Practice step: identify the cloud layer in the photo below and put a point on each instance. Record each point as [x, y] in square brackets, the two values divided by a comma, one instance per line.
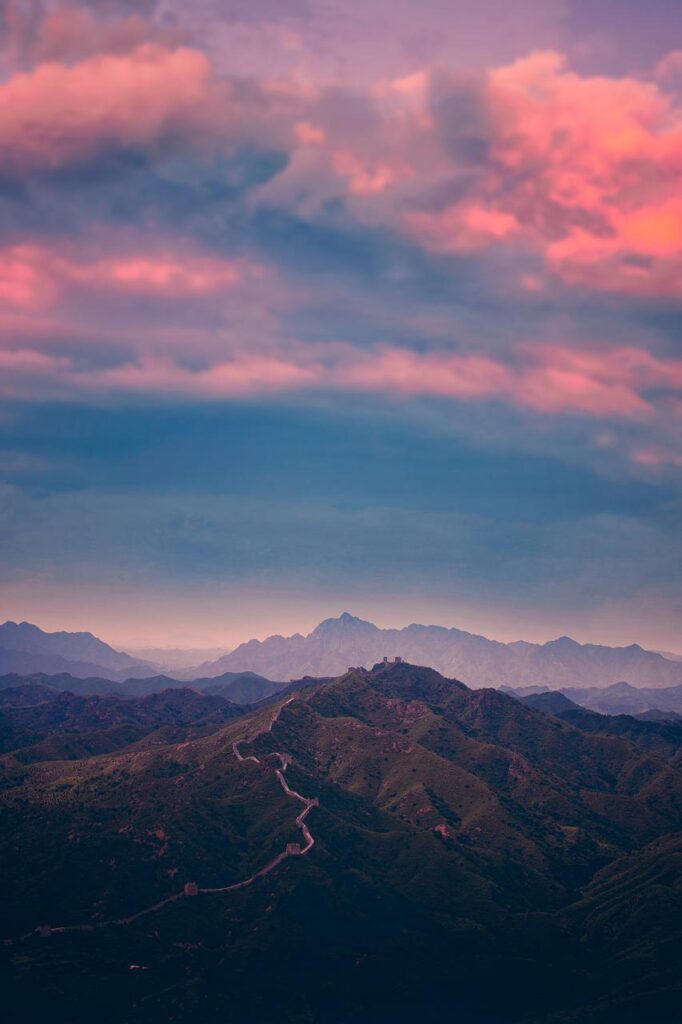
[468, 224]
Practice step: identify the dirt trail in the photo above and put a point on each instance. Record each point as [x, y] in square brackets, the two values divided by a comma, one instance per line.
[191, 890]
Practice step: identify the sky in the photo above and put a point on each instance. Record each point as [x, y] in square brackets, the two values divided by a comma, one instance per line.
[310, 306]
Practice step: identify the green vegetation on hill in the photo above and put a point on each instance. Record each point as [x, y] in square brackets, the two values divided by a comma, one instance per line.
[474, 859]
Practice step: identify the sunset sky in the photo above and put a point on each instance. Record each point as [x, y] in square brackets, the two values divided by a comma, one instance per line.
[309, 305]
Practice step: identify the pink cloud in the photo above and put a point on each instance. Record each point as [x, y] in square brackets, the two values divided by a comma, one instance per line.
[24, 373]
[403, 372]
[162, 273]
[69, 32]
[33, 274]
[604, 383]
[58, 115]
[28, 361]
[656, 457]
[462, 228]
[597, 382]
[641, 253]
[242, 376]
[367, 177]
[22, 278]
[309, 134]
[582, 170]
[590, 167]
[670, 67]
[564, 379]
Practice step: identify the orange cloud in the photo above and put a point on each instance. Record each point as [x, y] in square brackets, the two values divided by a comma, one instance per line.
[640, 253]
[583, 170]
[590, 166]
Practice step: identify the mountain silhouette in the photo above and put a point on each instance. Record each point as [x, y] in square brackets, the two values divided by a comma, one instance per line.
[347, 640]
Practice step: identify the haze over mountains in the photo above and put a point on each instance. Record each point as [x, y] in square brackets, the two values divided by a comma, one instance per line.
[24, 648]
[177, 658]
[337, 643]
[347, 640]
[619, 699]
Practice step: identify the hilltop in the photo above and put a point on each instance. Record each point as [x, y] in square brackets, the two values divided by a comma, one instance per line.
[459, 836]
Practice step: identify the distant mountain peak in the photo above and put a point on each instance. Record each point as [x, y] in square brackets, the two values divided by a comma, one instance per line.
[27, 648]
[343, 624]
[347, 640]
[563, 643]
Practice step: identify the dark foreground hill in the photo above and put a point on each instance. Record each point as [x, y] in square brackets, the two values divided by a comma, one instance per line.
[63, 726]
[664, 736]
[471, 859]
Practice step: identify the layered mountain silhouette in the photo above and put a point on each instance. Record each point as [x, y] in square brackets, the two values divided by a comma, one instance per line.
[347, 640]
[238, 687]
[337, 643]
[26, 649]
[661, 732]
[619, 699]
[473, 859]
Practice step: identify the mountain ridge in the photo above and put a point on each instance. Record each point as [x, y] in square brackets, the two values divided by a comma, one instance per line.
[459, 836]
[26, 648]
[348, 640]
[239, 687]
[335, 643]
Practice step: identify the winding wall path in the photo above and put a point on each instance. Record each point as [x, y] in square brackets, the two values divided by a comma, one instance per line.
[191, 890]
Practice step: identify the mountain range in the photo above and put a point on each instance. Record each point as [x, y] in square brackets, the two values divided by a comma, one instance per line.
[468, 858]
[347, 640]
[618, 699]
[238, 687]
[25, 649]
